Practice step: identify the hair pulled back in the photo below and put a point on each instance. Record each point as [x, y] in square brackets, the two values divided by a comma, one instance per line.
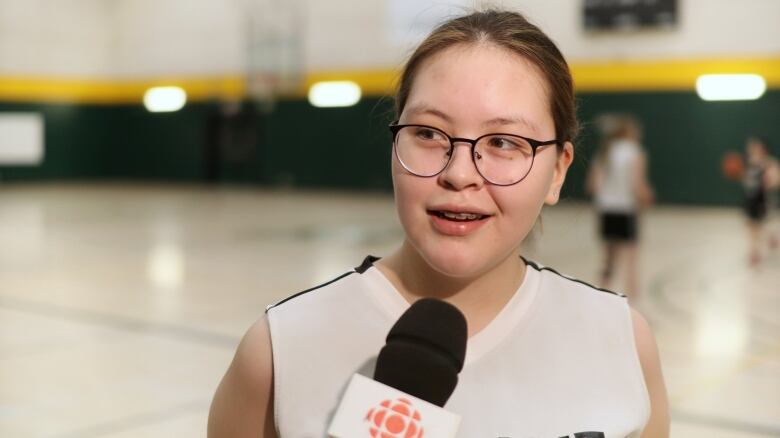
[511, 31]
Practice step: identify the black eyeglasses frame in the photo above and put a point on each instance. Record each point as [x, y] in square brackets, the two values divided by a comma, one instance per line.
[395, 127]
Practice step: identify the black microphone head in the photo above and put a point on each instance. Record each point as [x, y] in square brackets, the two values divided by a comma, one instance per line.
[425, 351]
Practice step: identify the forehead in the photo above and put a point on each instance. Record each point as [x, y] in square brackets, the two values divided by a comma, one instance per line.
[480, 84]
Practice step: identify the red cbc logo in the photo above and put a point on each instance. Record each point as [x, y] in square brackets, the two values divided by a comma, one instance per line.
[395, 419]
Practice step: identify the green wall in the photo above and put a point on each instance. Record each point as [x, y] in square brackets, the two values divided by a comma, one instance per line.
[115, 142]
[685, 138]
[298, 145]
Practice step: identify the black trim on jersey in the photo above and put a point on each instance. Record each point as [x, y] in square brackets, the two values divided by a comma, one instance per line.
[308, 290]
[367, 263]
[545, 268]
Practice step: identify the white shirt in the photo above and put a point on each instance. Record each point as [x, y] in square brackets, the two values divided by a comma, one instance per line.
[558, 359]
[617, 192]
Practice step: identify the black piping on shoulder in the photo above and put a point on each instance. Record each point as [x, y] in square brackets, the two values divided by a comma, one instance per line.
[307, 290]
[367, 263]
[545, 268]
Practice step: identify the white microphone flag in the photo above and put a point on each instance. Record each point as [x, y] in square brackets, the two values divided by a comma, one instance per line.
[370, 409]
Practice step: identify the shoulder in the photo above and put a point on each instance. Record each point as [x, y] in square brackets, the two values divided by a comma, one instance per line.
[645, 341]
[569, 304]
[246, 389]
[339, 285]
[647, 350]
[248, 385]
[310, 320]
[253, 357]
[563, 283]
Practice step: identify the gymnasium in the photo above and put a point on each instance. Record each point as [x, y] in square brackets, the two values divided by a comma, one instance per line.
[170, 168]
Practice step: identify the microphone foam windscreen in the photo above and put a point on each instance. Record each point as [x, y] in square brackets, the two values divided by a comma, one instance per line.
[425, 351]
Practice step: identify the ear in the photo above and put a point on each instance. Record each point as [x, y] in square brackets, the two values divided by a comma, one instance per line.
[565, 157]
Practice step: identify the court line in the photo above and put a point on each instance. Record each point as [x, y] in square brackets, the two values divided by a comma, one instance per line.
[120, 322]
[707, 383]
[659, 291]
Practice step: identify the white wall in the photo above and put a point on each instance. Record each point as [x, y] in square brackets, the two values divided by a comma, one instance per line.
[120, 38]
[54, 37]
[358, 37]
[707, 28]
[175, 37]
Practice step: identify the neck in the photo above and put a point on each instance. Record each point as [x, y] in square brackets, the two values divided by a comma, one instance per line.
[480, 297]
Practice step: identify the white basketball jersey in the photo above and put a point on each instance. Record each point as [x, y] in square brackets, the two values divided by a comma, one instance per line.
[559, 360]
[617, 189]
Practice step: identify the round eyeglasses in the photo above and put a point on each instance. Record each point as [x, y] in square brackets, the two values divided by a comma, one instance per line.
[501, 159]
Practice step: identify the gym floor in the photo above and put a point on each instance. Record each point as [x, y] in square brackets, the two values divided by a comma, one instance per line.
[121, 306]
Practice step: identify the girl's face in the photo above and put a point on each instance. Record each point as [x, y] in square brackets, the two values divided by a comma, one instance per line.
[468, 91]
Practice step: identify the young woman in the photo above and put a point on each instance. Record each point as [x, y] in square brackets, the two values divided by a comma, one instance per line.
[483, 140]
[620, 188]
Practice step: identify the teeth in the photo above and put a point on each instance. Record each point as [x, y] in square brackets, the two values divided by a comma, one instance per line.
[460, 216]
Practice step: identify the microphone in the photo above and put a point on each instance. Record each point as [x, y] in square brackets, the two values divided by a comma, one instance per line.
[416, 373]
[425, 351]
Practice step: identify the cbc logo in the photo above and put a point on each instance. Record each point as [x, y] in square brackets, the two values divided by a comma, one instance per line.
[395, 419]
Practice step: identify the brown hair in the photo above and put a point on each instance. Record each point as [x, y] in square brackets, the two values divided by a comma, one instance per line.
[509, 30]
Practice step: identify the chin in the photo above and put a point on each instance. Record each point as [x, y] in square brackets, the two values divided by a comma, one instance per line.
[456, 264]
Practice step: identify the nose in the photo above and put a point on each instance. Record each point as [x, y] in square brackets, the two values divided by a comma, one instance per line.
[461, 172]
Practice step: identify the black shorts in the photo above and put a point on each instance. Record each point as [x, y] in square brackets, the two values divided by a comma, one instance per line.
[618, 227]
[756, 207]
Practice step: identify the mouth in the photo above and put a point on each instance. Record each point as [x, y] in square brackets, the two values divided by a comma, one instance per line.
[458, 216]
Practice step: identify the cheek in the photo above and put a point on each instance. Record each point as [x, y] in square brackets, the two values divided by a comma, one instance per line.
[408, 193]
[541, 176]
[521, 206]
[523, 202]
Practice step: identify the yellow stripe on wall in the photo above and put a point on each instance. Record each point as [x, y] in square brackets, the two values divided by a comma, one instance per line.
[603, 76]
[102, 91]
[372, 82]
[668, 75]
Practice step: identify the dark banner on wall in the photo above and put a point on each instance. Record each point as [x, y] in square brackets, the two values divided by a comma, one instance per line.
[606, 15]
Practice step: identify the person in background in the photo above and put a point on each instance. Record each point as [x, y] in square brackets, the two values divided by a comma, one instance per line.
[619, 185]
[760, 181]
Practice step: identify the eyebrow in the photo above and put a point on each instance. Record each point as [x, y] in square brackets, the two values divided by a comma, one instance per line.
[421, 109]
[503, 121]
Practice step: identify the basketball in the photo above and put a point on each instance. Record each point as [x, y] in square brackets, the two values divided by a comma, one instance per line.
[732, 165]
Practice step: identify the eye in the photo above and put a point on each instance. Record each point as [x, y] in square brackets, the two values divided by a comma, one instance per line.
[506, 146]
[504, 143]
[428, 134]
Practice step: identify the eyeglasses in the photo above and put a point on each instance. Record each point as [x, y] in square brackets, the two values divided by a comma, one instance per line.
[501, 159]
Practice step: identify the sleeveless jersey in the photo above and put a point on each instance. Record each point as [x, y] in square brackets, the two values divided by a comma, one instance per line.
[616, 194]
[558, 360]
